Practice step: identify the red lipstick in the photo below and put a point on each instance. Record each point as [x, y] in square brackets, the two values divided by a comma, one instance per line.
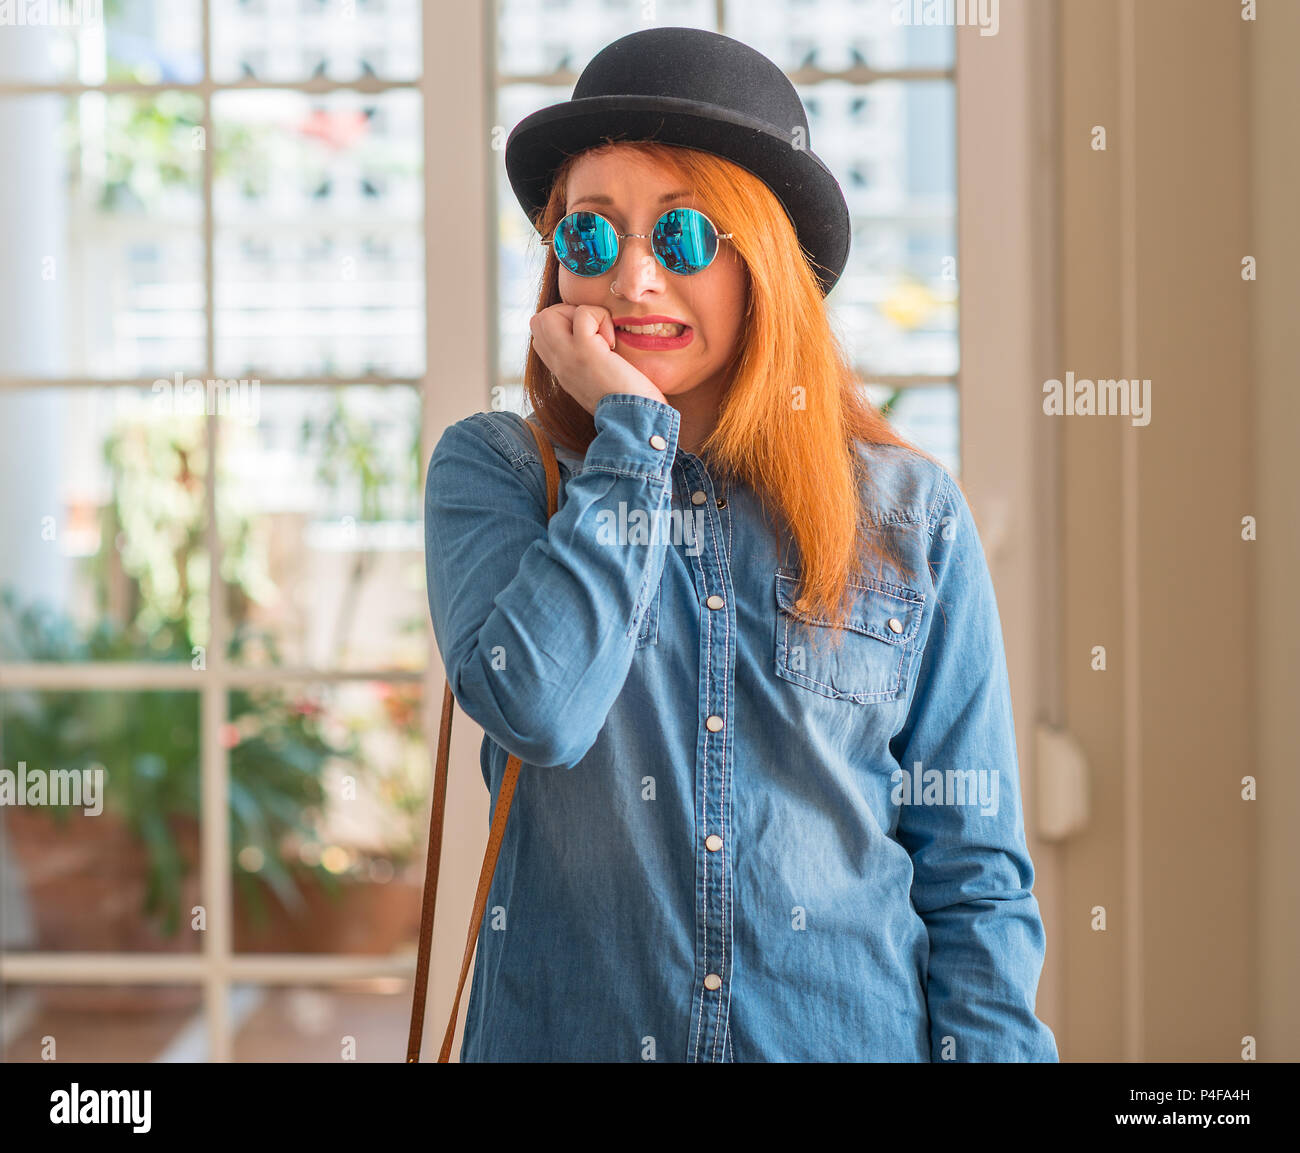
[648, 342]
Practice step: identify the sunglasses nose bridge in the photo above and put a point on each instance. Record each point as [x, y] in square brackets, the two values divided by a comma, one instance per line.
[641, 258]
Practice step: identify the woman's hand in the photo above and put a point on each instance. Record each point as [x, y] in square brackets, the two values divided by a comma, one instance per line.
[576, 342]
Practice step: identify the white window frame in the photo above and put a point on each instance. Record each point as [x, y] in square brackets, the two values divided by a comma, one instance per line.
[216, 967]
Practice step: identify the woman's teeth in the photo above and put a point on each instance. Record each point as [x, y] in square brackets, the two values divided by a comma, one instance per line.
[654, 329]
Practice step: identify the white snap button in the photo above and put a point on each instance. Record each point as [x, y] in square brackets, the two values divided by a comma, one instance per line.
[658, 441]
[713, 724]
[712, 981]
[713, 842]
[699, 497]
[715, 601]
[895, 625]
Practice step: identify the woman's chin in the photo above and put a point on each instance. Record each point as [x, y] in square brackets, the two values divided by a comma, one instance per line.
[670, 384]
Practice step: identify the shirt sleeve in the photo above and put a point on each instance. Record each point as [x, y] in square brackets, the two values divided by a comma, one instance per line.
[972, 876]
[536, 622]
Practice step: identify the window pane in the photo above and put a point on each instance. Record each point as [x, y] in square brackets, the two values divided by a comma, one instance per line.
[314, 1023]
[104, 1022]
[116, 869]
[840, 34]
[928, 417]
[320, 506]
[91, 41]
[290, 40]
[329, 789]
[102, 553]
[104, 277]
[521, 258]
[892, 146]
[540, 36]
[319, 234]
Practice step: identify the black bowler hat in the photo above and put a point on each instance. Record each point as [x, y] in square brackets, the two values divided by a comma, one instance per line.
[699, 89]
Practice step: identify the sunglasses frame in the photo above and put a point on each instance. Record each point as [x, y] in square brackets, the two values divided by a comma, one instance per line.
[621, 236]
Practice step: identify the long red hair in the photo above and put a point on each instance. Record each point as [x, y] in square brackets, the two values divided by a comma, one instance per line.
[793, 412]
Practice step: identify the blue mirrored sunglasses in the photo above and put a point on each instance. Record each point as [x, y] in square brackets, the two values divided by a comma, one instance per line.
[683, 241]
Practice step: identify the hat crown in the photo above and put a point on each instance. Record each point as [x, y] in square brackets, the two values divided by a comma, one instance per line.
[691, 88]
[699, 65]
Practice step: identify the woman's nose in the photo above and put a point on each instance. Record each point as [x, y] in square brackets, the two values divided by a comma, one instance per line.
[636, 268]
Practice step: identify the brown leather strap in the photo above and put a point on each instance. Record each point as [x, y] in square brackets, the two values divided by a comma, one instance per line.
[500, 814]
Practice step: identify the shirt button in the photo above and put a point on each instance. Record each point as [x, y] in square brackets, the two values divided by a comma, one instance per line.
[658, 441]
[698, 497]
[713, 842]
[715, 601]
[712, 981]
[713, 724]
[895, 625]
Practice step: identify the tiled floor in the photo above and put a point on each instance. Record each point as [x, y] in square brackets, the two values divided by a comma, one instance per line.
[271, 1023]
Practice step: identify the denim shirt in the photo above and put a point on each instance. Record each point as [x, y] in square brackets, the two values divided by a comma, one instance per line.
[727, 843]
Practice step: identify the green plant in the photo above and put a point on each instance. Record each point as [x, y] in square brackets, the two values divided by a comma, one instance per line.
[349, 453]
[147, 742]
[152, 587]
[148, 146]
[887, 405]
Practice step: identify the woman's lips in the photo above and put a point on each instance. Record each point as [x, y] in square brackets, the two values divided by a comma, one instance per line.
[649, 343]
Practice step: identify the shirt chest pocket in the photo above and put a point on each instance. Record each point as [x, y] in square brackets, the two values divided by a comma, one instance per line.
[869, 662]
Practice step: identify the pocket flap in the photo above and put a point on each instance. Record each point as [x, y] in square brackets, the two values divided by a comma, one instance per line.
[888, 612]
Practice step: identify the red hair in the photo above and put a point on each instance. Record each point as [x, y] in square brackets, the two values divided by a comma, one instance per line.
[790, 418]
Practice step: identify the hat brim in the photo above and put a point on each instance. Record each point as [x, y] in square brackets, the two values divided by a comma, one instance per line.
[806, 188]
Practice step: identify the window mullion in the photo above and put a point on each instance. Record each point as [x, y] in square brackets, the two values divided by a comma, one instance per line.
[214, 762]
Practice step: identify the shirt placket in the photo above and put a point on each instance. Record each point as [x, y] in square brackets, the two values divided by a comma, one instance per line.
[711, 996]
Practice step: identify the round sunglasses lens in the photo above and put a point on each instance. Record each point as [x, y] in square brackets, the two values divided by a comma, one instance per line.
[585, 244]
[685, 241]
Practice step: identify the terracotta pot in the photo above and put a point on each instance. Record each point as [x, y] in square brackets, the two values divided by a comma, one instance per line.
[362, 917]
[86, 882]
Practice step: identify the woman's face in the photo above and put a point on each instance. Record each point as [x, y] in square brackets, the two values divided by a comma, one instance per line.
[632, 192]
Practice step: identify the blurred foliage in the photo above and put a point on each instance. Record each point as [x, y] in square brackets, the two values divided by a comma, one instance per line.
[155, 578]
[151, 145]
[347, 449]
[156, 522]
[147, 743]
[349, 454]
[887, 405]
[153, 573]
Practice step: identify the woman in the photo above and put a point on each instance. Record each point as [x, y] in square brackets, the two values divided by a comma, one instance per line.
[753, 665]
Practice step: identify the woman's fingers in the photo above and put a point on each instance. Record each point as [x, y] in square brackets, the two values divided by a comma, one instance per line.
[577, 343]
[579, 321]
[607, 328]
[591, 320]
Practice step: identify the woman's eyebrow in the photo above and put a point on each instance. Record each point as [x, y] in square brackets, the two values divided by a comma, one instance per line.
[609, 200]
